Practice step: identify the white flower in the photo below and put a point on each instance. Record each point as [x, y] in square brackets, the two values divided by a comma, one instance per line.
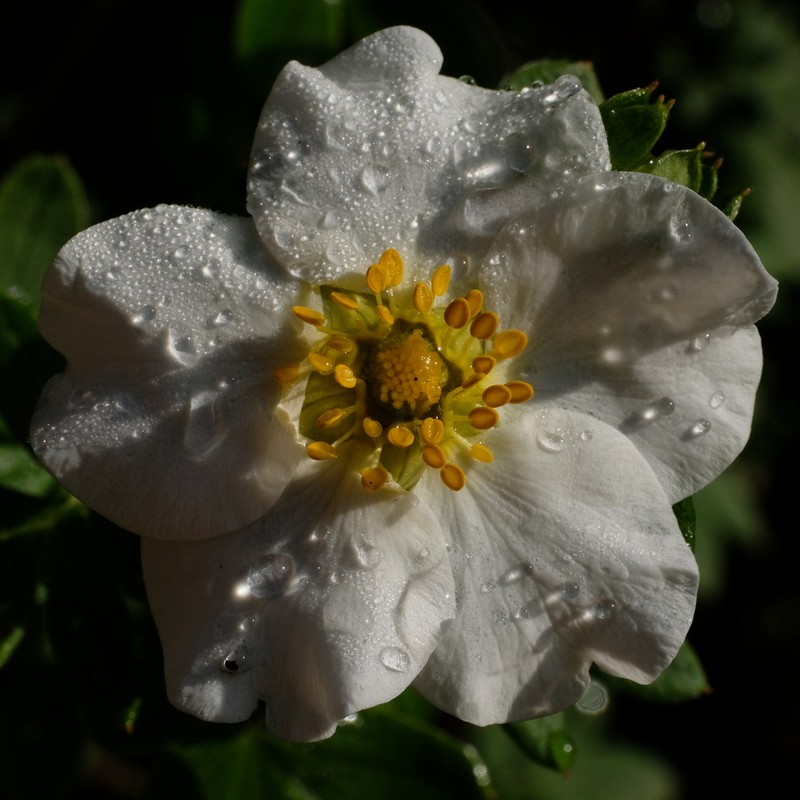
[325, 585]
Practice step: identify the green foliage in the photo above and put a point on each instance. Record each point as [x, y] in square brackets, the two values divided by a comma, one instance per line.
[687, 520]
[544, 740]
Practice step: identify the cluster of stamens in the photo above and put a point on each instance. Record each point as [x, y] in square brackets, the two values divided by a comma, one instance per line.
[409, 379]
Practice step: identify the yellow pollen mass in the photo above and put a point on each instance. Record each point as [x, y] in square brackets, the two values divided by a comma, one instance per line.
[403, 376]
[410, 374]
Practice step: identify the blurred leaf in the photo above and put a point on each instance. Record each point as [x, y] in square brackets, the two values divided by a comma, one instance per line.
[634, 123]
[20, 472]
[10, 643]
[378, 755]
[684, 679]
[545, 740]
[264, 25]
[547, 70]
[42, 205]
[687, 520]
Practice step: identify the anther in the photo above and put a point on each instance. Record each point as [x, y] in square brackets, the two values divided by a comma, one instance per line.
[520, 391]
[433, 456]
[344, 300]
[510, 343]
[474, 298]
[453, 477]
[471, 380]
[345, 376]
[481, 453]
[341, 343]
[372, 478]
[391, 263]
[376, 279]
[400, 436]
[457, 314]
[483, 418]
[432, 430]
[320, 451]
[372, 427]
[385, 315]
[308, 315]
[441, 280]
[321, 363]
[484, 325]
[484, 364]
[423, 297]
[287, 374]
[496, 395]
[330, 418]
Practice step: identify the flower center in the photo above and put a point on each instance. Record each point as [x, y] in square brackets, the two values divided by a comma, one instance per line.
[407, 380]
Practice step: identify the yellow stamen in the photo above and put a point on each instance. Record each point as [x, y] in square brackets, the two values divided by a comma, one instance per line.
[330, 418]
[433, 456]
[453, 477]
[385, 315]
[432, 430]
[392, 265]
[481, 453]
[341, 343]
[321, 451]
[287, 374]
[345, 376]
[496, 395]
[372, 427]
[484, 325]
[400, 436]
[484, 364]
[471, 380]
[474, 298]
[423, 297]
[510, 343]
[372, 478]
[321, 363]
[376, 279]
[457, 314]
[344, 300]
[520, 391]
[441, 280]
[483, 418]
[308, 315]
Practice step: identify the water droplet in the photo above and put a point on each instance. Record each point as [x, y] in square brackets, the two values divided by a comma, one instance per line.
[330, 220]
[604, 609]
[367, 555]
[205, 426]
[702, 426]
[223, 318]
[551, 441]
[700, 342]
[374, 179]
[562, 89]
[468, 79]
[395, 659]
[146, 313]
[210, 270]
[521, 613]
[612, 355]
[433, 145]
[237, 661]
[569, 591]
[515, 574]
[519, 152]
[595, 701]
[487, 587]
[181, 346]
[662, 407]
[181, 252]
[424, 554]
[716, 399]
[270, 575]
[586, 436]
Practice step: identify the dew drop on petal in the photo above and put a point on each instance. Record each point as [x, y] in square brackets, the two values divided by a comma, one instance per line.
[604, 609]
[569, 591]
[367, 555]
[700, 342]
[515, 574]
[181, 346]
[81, 398]
[205, 426]
[701, 427]
[551, 441]
[374, 179]
[716, 399]
[395, 659]
[145, 314]
[181, 253]
[653, 411]
[224, 317]
[595, 701]
[270, 575]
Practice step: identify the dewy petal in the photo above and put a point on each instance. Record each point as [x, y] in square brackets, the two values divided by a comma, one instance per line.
[329, 604]
[620, 284]
[171, 321]
[565, 552]
[376, 149]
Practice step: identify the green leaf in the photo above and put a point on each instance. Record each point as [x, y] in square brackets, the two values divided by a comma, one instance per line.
[687, 520]
[634, 123]
[684, 679]
[378, 755]
[688, 168]
[544, 740]
[263, 25]
[547, 70]
[20, 472]
[42, 205]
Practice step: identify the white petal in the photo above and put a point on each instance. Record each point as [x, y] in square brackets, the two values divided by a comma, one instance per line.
[619, 284]
[565, 552]
[172, 322]
[376, 150]
[330, 604]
